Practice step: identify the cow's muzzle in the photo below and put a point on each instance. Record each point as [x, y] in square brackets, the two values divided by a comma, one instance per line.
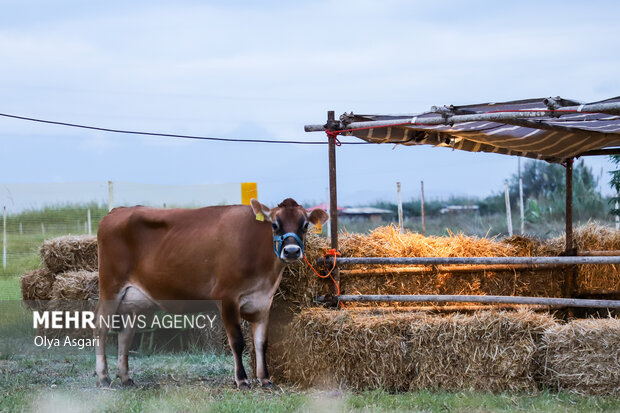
[291, 252]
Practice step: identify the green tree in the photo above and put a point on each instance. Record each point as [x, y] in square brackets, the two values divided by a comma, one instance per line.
[615, 184]
[544, 191]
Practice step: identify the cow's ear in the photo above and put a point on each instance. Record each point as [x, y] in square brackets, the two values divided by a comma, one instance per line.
[262, 212]
[318, 217]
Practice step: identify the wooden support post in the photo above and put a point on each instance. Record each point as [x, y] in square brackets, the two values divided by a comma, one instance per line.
[333, 193]
[569, 206]
[423, 216]
[521, 200]
[570, 278]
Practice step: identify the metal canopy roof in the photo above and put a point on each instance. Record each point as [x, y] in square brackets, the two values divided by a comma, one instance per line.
[553, 129]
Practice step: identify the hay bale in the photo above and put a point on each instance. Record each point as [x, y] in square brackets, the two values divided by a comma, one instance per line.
[583, 356]
[36, 287]
[361, 349]
[70, 253]
[76, 286]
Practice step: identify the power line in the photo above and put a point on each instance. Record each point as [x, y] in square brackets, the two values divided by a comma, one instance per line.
[172, 135]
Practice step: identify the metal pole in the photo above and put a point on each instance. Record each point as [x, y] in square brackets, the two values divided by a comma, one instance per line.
[611, 108]
[423, 216]
[521, 199]
[4, 237]
[489, 299]
[333, 193]
[401, 225]
[508, 212]
[566, 260]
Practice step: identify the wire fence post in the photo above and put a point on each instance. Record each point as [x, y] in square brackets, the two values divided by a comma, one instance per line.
[110, 195]
[90, 231]
[4, 237]
[508, 212]
[401, 224]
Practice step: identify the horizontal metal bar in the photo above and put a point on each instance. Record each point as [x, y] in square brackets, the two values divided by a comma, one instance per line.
[470, 260]
[487, 299]
[314, 128]
[425, 269]
[609, 108]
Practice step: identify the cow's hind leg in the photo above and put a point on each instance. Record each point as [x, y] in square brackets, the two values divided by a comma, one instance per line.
[125, 337]
[104, 312]
[133, 302]
[232, 323]
[259, 332]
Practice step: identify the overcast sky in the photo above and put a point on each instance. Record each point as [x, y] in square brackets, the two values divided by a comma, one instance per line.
[264, 69]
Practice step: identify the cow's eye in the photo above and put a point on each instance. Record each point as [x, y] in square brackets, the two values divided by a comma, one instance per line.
[306, 226]
[274, 225]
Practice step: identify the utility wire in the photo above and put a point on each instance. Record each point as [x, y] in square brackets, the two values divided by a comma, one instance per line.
[171, 135]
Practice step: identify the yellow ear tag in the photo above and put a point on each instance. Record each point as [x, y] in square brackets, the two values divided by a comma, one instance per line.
[318, 228]
[260, 217]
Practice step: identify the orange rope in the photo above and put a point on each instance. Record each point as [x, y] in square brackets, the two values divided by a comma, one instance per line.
[329, 274]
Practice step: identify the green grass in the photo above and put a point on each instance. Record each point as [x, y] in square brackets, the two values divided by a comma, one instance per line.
[199, 382]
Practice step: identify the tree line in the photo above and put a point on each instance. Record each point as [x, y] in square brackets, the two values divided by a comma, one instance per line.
[544, 194]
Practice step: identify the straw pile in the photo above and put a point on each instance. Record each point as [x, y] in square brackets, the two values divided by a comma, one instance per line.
[70, 253]
[583, 356]
[489, 351]
[76, 285]
[36, 287]
[596, 237]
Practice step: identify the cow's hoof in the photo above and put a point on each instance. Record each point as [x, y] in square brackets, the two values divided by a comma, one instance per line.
[267, 384]
[128, 383]
[244, 385]
[104, 382]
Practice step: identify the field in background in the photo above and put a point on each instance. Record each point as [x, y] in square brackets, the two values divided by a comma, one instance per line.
[199, 382]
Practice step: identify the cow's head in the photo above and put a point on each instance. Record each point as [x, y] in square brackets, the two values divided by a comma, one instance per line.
[290, 223]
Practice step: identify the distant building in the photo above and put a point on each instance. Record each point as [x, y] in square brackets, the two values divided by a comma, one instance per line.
[358, 213]
[454, 209]
[365, 214]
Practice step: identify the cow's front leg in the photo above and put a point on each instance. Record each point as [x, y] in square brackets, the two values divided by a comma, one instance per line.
[232, 323]
[259, 332]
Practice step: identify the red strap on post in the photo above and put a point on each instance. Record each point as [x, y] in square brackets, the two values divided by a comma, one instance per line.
[333, 253]
[334, 134]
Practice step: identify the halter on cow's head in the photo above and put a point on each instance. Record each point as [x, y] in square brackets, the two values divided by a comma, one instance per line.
[290, 223]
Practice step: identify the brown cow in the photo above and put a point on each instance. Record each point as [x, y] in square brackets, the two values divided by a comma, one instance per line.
[234, 254]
